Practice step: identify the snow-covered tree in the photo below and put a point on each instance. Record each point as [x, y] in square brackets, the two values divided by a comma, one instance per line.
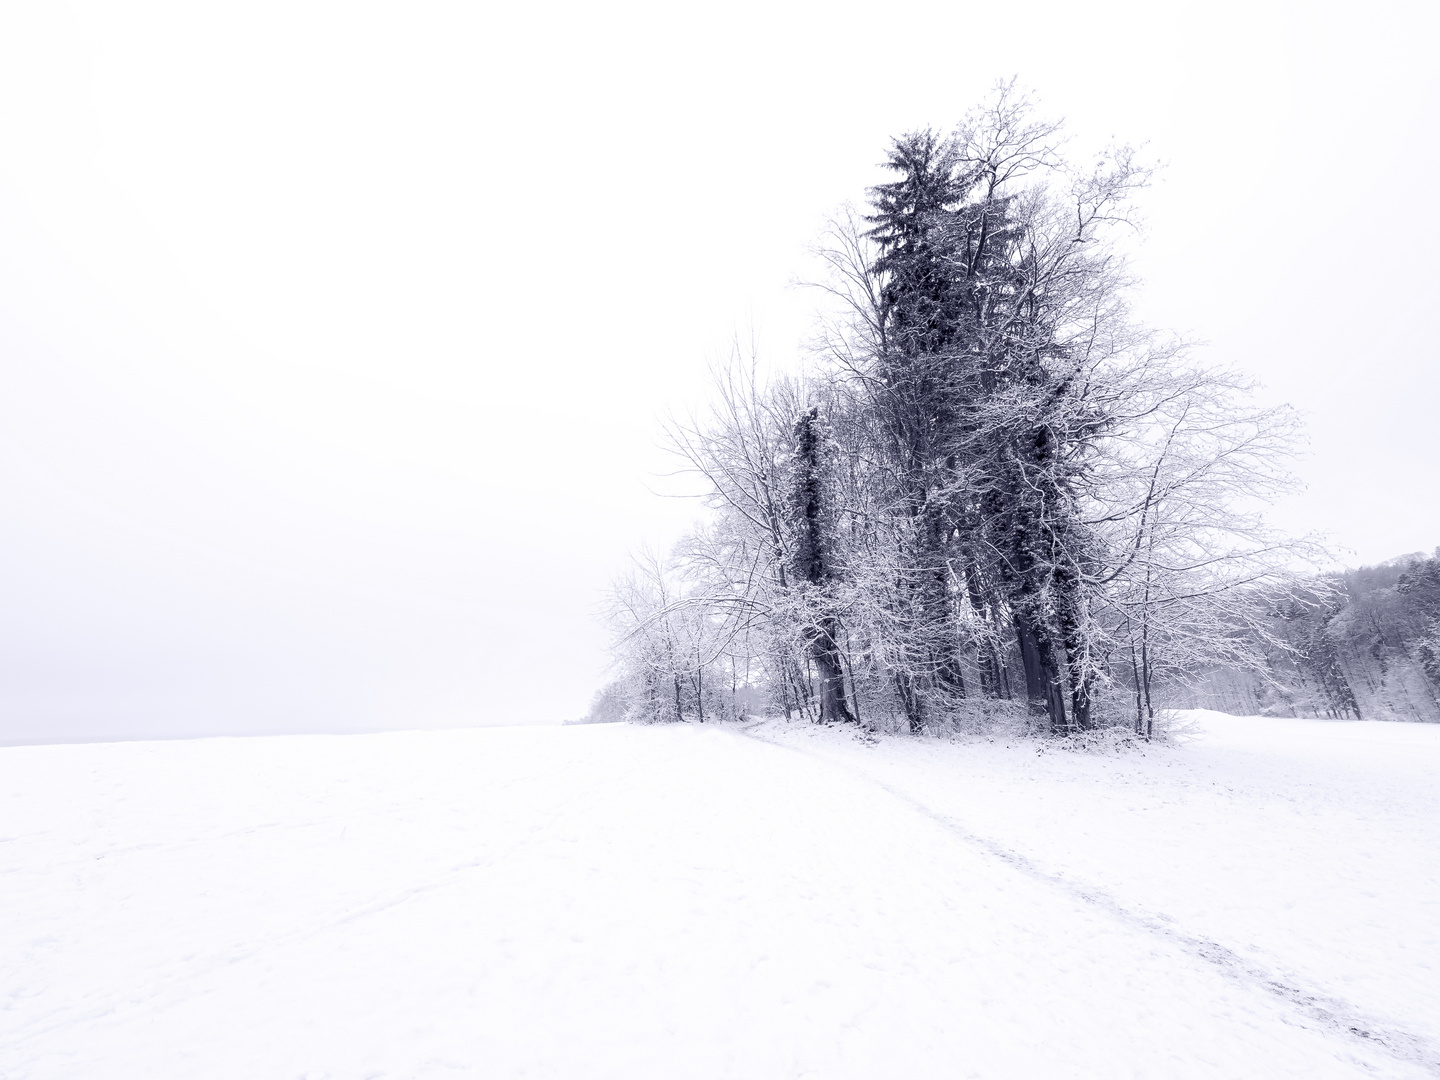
[992, 482]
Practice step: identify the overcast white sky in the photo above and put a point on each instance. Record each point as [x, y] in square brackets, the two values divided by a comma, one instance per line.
[333, 336]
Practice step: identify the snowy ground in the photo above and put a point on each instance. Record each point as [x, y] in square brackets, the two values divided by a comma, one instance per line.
[613, 901]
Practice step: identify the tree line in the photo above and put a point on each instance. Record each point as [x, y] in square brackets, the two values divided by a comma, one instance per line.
[1363, 645]
[993, 489]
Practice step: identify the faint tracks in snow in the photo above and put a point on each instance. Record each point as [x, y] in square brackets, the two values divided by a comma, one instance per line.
[1330, 1013]
[175, 981]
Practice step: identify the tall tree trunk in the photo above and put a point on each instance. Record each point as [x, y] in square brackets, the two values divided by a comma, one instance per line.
[1135, 669]
[1145, 675]
[986, 656]
[938, 624]
[1072, 637]
[811, 520]
[854, 687]
[910, 703]
[1021, 575]
[826, 655]
[1043, 689]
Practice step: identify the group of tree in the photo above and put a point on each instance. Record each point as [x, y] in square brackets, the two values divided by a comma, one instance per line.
[993, 485]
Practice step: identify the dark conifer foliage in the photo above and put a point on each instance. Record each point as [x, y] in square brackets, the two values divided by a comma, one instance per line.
[912, 223]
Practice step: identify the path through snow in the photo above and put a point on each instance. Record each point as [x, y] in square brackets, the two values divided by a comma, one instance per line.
[684, 901]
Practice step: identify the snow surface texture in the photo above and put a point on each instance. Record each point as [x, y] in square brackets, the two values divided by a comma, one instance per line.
[773, 901]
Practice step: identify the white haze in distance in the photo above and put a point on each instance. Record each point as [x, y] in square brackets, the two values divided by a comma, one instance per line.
[333, 337]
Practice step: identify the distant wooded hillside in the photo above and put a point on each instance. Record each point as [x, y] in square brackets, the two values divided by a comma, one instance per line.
[1364, 644]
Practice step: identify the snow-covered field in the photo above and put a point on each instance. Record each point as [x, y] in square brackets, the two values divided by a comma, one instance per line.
[776, 901]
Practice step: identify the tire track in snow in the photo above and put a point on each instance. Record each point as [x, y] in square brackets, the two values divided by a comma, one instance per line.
[1331, 1013]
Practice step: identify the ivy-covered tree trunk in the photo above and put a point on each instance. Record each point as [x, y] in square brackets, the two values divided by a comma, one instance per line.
[830, 671]
[1072, 635]
[812, 563]
[1044, 688]
[987, 655]
[1020, 535]
[938, 608]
